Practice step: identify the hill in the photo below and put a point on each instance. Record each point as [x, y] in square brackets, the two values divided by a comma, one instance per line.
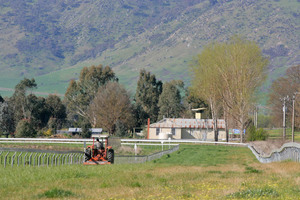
[52, 40]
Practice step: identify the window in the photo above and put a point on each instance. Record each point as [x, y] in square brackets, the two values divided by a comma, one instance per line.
[157, 131]
[173, 131]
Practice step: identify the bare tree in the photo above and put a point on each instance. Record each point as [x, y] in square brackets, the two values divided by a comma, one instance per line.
[282, 87]
[111, 105]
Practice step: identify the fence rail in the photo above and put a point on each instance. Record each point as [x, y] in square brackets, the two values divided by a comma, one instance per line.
[288, 151]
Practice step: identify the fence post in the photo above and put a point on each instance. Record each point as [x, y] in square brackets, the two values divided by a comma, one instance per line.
[39, 159]
[30, 159]
[12, 160]
[52, 159]
[34, 159]
[19, 157]
[59, 159]
[5, 159]
[25, 158]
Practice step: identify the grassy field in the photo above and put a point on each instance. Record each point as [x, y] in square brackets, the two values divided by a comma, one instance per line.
[277, 134]
[193, 172]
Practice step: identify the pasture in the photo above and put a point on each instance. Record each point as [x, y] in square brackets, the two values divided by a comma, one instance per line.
[193, 172]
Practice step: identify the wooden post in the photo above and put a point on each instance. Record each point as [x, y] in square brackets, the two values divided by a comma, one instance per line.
[148, 128]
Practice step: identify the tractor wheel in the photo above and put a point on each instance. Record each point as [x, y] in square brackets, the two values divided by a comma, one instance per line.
[87, 154]
[110, 156]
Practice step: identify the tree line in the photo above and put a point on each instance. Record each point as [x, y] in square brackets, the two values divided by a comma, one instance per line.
[96, 99]
[225, 78]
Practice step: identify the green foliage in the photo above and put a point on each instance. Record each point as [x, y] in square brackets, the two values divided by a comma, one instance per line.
[81, 93]
[121, 129]
[254, 134]
[264, 121]
[252, 170]
[56, 193]
[170, 100]
[85, 129]
[6, 118]
[25, 129]
[227, 74]
[147, 97]
[19, 99]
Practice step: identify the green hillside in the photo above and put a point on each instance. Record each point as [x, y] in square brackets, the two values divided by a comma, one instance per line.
[52, 40]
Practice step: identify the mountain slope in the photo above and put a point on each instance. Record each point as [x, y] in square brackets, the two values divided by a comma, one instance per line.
[53, 40]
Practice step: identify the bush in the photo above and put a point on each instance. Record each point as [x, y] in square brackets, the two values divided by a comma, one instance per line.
[85, 129]
[25, 129]
[254, 134]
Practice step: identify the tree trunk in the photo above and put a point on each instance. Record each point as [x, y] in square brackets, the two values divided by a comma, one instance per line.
[226, 125]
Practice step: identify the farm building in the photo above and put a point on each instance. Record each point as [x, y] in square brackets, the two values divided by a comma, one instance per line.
[178, 128]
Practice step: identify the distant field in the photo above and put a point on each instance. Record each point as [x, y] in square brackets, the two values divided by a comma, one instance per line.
[278, 133]
[193, 172]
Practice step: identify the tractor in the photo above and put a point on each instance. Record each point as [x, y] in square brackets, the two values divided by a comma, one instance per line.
[97, 154]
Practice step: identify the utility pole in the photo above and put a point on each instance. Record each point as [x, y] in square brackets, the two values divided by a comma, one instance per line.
[284, 120]
[293, 117]
[255, 116]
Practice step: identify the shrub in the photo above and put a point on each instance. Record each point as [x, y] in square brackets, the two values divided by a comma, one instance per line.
[25, 129]
[56, 193]
[254, 134]
[85, 129]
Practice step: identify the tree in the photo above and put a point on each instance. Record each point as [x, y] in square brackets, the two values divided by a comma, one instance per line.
[25, 129]
[110, 105]
[205, 84]
[147, 96]
[19, 98]
[86, 129]
[37, 111]
[57, 110]
[170, 100]
[230, 73]
[191, 101]
[6, 118]
[82, 92]
[282, 87]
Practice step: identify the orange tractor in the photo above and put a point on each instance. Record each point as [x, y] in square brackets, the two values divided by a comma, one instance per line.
[97, 154]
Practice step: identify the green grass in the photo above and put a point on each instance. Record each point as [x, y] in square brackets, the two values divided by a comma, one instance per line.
[277, 134]
[219, 173]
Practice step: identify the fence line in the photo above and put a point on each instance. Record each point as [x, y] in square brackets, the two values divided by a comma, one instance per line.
[34, 157]
[39, 158]
[194, 141]
[288, 151]
[142, 159]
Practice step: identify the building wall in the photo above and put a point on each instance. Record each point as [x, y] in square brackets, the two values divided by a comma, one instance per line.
[202, 134]
[187, 133]
[163, 132]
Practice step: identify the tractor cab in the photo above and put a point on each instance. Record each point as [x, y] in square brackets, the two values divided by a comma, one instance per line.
[99, 153]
